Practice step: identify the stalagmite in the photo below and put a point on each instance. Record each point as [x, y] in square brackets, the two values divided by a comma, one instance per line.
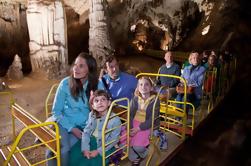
[15, 70]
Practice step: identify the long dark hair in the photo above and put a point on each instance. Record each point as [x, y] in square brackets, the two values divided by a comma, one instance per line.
[76, 86]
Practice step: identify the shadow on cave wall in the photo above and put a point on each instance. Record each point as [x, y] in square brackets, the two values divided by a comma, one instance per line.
[78, 35]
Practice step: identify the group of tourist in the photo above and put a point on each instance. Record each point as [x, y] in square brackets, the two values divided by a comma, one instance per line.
[193, 71]
[83, 99]
[81, 104]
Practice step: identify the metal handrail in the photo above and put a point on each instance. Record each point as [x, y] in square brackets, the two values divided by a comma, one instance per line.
[105, 131]
[29, 128]
[47, 100]
[171, 76]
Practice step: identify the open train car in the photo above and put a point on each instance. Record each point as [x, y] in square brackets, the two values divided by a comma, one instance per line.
[176, 123]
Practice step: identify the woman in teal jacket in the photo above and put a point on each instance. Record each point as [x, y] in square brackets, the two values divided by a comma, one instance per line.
[71, 103]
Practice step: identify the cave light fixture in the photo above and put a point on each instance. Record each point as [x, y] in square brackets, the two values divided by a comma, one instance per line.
[165, 48]
[133, 28]
[205, 30]
[140, 47]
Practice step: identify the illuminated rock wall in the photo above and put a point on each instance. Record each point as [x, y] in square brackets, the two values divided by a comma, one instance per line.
[47, 32]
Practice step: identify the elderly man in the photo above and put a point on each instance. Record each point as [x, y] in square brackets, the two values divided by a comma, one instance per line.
[169, 68]
[118, 84]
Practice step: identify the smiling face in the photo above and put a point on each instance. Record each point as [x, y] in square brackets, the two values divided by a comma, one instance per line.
[101, 104]
[80, 69]
[113, 69]
[195, 59]
[144, 86]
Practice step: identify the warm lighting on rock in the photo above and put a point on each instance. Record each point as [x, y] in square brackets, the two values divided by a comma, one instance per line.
[133, 28]
[165, 48]
[205, 30]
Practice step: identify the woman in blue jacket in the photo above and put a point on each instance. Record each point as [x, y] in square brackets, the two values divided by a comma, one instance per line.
[194, 76]
[71, 103]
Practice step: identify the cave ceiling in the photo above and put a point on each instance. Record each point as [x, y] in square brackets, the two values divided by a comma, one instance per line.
[155, 24]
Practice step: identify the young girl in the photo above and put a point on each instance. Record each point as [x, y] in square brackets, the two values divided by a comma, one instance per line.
[141, 119]
[89, 152]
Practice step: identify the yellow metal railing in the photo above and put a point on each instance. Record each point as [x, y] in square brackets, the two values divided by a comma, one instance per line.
[178, 112]
[49, 100]
[209, 88]
[51, 139]
[154, 141]
[14, 148]
[105, 131]
[10, 98]
[183, 102]
[169, 114]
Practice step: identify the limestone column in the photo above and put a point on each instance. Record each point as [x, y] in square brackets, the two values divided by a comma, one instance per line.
[48, 36]
[99, 37]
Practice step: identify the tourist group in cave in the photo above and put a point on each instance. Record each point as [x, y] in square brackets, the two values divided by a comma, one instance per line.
[83, 98]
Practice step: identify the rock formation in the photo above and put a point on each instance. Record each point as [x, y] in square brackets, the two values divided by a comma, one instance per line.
[99, 36]
[15, 70]
[47, 32]
[166, 25]
[13, 35]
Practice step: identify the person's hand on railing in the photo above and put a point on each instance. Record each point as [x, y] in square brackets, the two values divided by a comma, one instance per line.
[180, 88]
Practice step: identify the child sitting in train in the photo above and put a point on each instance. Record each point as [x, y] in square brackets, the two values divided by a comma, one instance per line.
[141, 108]
[89, 151]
